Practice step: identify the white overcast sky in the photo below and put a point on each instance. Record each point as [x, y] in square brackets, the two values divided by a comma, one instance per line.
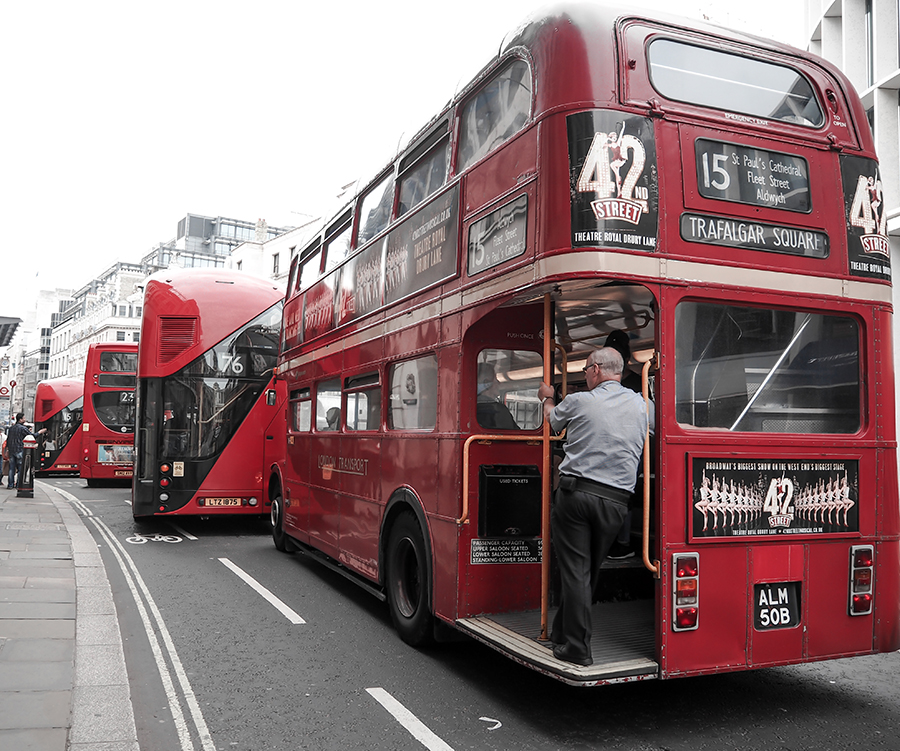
[119, 118]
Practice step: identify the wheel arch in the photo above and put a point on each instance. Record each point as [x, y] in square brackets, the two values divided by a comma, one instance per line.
[274, 484]
[401, 500]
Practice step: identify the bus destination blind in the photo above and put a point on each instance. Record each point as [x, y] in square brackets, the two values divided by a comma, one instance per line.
[728, 172]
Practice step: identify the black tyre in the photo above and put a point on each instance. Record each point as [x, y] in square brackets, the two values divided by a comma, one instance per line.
[408, 582]
[276, 521]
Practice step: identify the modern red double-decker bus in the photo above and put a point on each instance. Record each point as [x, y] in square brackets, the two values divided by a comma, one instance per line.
[207, 397]
[107, 438]
[58, 405]
[716, 198]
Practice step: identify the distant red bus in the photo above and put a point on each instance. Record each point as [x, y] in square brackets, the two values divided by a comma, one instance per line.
[58, 405]
[107, 429]
[715, 198]
[207, 396]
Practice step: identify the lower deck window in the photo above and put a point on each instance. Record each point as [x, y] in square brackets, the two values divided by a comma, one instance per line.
[413, 394]
[773, 371]
[507, 387]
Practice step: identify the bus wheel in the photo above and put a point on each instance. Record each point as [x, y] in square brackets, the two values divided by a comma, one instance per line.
[407, 582]
[276, 519]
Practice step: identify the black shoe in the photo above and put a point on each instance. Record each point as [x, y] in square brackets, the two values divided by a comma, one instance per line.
[619, 552]
[562, 652]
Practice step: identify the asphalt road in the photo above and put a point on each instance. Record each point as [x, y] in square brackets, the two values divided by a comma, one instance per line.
[214, 664]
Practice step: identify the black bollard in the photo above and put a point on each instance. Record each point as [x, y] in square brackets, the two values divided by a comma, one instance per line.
[26, 471]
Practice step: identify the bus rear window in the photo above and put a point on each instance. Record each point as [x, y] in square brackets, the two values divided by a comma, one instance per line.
[771, 371]
[725, 81]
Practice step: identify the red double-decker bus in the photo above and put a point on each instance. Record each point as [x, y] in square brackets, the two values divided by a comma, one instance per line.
[107, 440]
[207, 397]
[58, 405]
[716, 199]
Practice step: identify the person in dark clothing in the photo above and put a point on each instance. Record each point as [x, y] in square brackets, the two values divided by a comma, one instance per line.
[15, 443]
[491, 412]
[619, 341]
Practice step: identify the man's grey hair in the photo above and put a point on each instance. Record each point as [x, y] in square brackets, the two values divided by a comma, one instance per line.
[609, 360]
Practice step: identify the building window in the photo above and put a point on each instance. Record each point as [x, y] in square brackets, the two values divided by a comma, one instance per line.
[135, 336]
[870, 47]
[123, 310]
[120, 336]
[137, 311]
[275, 260]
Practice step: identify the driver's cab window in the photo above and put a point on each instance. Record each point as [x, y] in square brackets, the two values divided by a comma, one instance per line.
[507, 381]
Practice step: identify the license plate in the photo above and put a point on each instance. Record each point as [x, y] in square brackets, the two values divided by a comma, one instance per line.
[776, 605]
[124, 473]
[223, 501]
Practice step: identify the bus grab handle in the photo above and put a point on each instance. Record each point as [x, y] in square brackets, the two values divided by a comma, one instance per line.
[652, 566]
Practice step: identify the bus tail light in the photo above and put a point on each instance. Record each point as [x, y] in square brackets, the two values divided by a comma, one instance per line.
[685, 591]
[862, 579]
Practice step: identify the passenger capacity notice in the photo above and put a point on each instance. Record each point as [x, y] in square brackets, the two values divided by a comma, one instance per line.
[728, 172]
[506, 550]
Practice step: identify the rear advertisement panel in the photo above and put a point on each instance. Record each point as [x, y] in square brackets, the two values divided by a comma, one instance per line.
[760, 497]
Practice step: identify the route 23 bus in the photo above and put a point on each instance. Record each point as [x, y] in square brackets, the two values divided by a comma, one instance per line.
[716, 198]
[107, 439]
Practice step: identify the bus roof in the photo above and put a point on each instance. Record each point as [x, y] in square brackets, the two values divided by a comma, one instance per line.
[219, 302]
[53, 394]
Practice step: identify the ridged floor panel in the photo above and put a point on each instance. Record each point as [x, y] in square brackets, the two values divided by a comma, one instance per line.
[622, 643]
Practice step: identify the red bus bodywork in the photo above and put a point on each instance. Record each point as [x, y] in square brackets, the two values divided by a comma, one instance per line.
[408, 510]
[205, 404]
[58, 407]
[108, 419]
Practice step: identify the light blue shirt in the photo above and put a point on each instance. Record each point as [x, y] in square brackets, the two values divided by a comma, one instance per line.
[605, 430]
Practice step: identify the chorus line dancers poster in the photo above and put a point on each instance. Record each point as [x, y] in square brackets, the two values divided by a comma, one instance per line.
[769, 497]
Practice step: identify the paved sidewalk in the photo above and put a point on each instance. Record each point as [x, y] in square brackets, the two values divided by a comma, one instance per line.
[63, 685]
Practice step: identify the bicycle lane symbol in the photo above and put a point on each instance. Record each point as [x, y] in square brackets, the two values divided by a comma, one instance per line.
[139, 539]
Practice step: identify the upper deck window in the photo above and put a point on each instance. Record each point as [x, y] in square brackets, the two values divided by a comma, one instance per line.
[337, 247]
[495, 114]
[427, 170]
[712, 78]
[309, 268]
[118, 362]
[375, 209]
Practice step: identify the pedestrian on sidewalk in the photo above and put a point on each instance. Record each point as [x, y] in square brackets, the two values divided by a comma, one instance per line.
[15, 446]
[5, 462]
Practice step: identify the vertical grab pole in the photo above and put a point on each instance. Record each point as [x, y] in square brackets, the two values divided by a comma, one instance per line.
[546, 473]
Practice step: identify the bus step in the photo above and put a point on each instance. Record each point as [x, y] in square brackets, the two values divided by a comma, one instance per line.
[622, 646]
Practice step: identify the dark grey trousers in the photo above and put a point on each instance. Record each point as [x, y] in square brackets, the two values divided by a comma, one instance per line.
[584, 527]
